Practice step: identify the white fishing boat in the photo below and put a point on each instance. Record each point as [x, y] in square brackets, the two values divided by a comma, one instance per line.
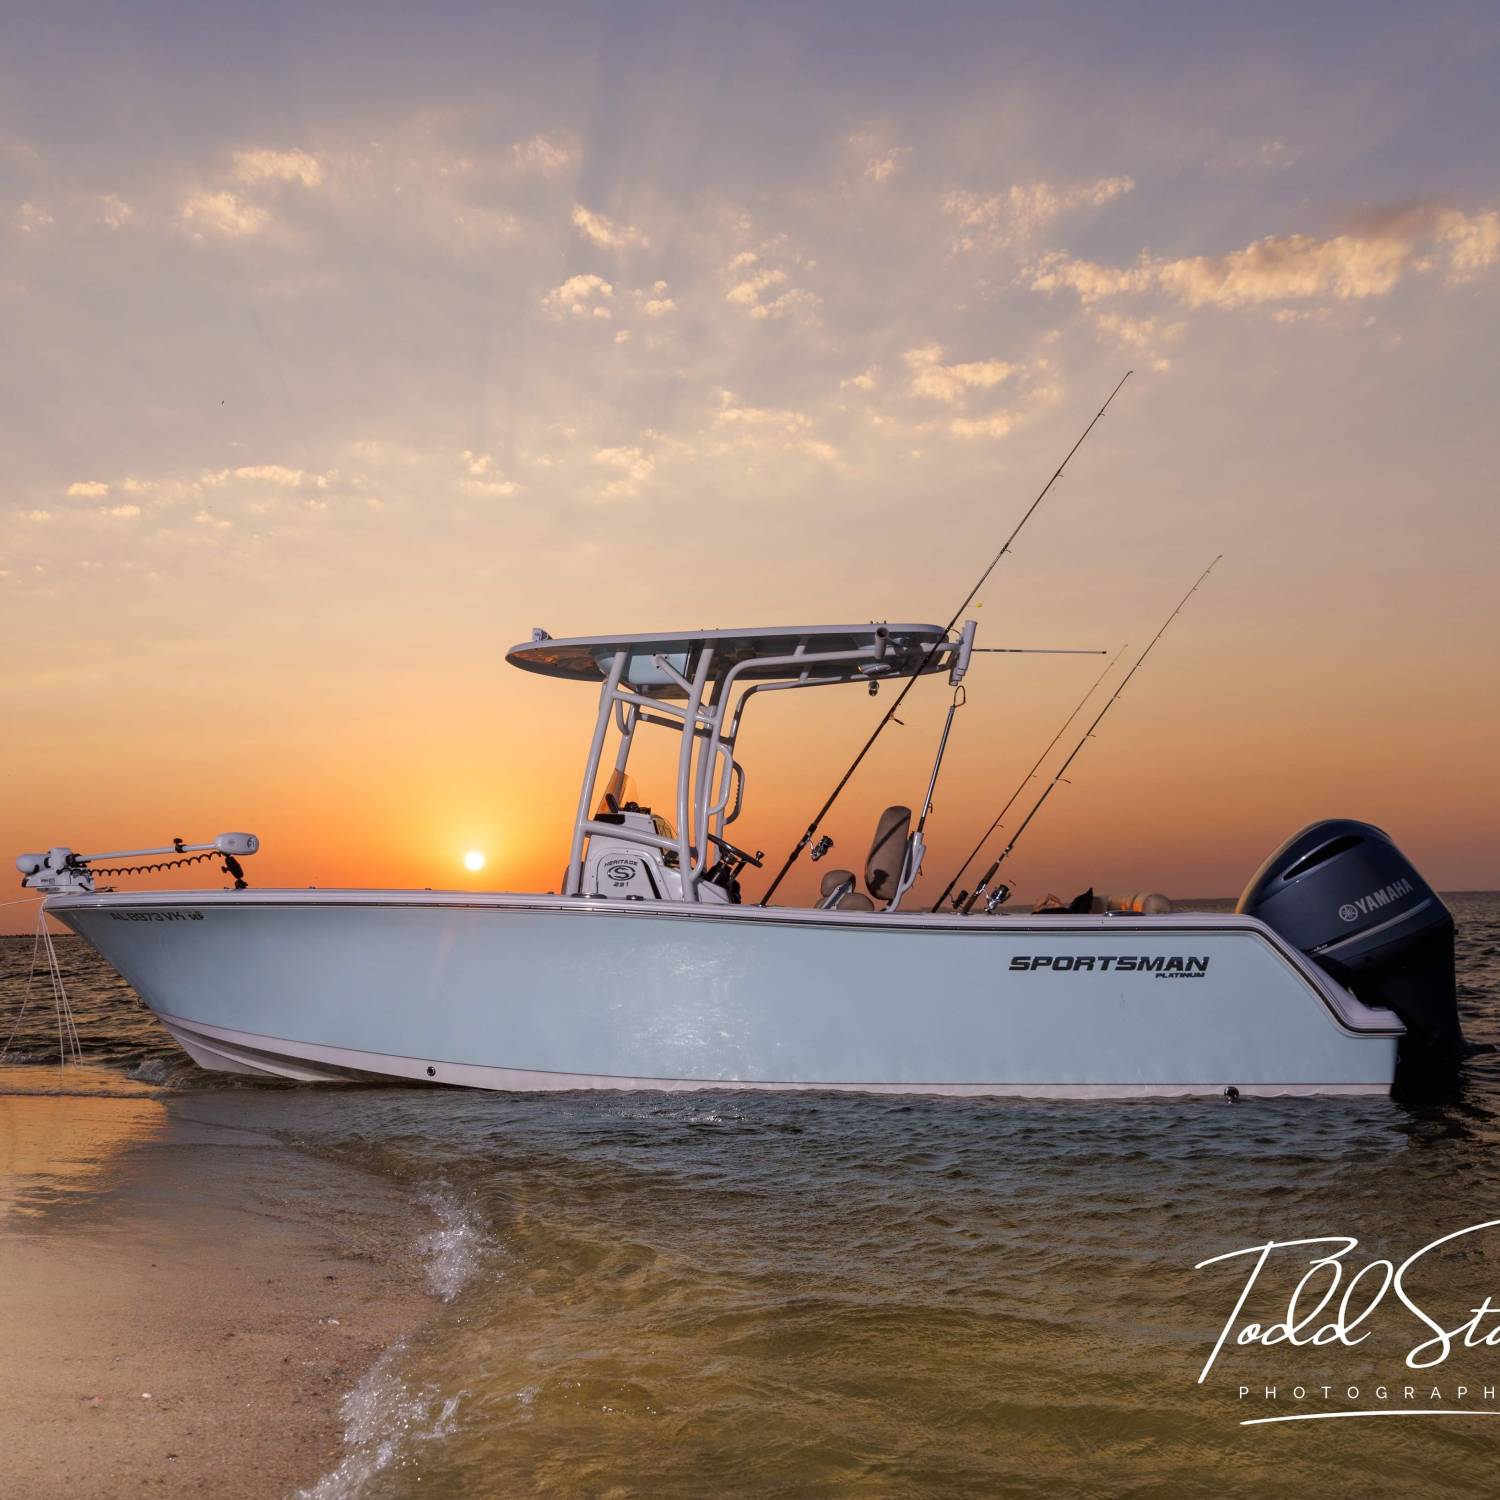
[647, 970]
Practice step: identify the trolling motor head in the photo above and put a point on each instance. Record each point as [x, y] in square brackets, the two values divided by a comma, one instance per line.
[54, 871]
[60, 871]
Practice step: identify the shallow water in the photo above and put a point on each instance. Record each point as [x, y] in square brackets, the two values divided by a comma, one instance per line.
[680, 1295]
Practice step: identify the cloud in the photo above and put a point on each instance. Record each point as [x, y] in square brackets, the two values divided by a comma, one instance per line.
[121, 512]
[882, 161]
[37, 517]
[493, 487]
[780, 429]
[793, 302]
[657, 305]
[1473, 244]
[1368, 261]
[747, 292]
[1261, 156]
[749, 286]
[1276, 155]
[262, 166]
[635, 462]
[1285, 317]
[1143, 337]
[1288, 267]
[543, 156]
[1057, 270]
[88, 489]
[1012, 219]
[882, 168]
[634, 466]
[951, 383]
[234, 212]
[733, 414]
[223, 214]
[999, 424]
[279, 475]
[602, 232]
[32, 218]
[115, 211]
[861, 382]
[483, 476]
[581, 296]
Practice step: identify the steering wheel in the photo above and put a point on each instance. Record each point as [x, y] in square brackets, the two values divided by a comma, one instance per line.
[734, 852]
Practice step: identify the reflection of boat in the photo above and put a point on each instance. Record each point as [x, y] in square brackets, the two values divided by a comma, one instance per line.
[647, 971]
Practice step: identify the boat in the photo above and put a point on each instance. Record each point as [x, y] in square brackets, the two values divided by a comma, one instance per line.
[649, 969]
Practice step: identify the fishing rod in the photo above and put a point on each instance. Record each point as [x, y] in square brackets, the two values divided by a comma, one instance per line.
[988, 833]
[1088, 734]
[931, 655]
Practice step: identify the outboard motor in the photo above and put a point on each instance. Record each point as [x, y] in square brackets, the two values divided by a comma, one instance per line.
[1345, 895]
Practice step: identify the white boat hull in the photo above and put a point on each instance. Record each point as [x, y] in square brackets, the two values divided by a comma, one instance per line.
[541, 992]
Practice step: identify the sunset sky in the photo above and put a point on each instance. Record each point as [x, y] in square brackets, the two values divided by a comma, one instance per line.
[343, 345]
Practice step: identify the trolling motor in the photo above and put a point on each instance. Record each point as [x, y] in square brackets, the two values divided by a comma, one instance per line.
[60, 871]
[1345, 895]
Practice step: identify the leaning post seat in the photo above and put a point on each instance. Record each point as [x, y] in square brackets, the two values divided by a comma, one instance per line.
[887, 859]
[839, 894]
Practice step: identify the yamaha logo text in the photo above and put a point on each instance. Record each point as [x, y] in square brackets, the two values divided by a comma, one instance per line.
[1351, 911]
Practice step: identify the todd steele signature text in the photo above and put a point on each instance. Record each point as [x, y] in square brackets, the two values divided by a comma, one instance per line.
[1335, 1299]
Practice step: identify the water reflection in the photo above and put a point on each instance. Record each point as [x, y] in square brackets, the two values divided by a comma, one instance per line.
[57, 1146]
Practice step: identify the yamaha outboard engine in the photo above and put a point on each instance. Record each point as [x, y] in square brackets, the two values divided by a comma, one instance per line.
[1345, 895]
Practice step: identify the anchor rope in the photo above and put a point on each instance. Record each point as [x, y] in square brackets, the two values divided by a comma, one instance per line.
[69, 1041]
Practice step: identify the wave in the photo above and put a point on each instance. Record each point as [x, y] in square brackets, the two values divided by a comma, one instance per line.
[382, 1415]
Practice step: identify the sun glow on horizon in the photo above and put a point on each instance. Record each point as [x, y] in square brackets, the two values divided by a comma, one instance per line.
[474, 860]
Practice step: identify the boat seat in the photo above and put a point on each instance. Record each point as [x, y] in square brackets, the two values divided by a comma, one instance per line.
[839, 893]
[888, 853]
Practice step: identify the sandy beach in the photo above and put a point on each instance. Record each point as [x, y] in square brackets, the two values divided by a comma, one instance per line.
[185, 1303]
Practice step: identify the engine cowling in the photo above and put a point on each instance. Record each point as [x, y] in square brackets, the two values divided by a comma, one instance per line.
[1345, 895]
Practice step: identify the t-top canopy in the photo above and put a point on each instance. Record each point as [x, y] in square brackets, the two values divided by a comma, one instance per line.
[587, 658]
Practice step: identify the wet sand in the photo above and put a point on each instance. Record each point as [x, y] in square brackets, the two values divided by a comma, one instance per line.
[184, 1304]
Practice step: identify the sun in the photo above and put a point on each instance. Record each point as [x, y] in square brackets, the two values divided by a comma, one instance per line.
[474, 860]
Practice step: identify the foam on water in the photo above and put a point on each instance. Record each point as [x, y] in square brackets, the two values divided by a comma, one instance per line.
[452, 1252]
[383, 1416]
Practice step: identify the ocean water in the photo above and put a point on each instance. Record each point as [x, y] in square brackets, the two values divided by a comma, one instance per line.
[801, 1295]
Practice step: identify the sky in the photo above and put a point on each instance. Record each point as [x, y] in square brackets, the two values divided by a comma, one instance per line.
[344, 345]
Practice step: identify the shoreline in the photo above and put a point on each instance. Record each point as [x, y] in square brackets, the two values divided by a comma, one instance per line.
[185, 1305]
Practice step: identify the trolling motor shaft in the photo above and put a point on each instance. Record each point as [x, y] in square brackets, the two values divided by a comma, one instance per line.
[59, 870]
